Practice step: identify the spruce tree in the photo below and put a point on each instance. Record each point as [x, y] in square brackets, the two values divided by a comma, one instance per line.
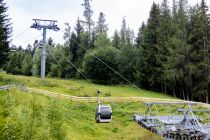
[88, 13]
[5, 32]
[200, 41]
[164, 32]
[126, 35]
[146, 63]
[102, 26]
[123, 33]
[116, 40]
[140, 36]
[79, 29]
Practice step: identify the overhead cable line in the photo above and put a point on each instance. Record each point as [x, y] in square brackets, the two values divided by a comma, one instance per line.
[91, 83]
[20, 34]
[133, 85]
[32, 38]
[53, 55]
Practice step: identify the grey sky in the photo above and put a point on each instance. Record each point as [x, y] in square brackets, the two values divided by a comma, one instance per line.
[23, 11]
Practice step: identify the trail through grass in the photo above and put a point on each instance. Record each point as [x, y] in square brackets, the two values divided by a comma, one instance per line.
[78, 87]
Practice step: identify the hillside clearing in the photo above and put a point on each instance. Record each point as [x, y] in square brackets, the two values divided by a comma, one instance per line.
[78, 87]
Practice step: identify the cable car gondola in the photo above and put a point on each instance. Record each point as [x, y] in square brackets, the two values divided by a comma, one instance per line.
[103, 113]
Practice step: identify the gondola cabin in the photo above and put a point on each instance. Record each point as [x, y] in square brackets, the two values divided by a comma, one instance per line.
[103, 113]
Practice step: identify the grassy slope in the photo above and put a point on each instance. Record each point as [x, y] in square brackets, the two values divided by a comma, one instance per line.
[77, 87]
[77, 119]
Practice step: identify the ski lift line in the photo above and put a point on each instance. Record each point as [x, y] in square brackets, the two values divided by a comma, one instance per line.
[33, 38]
[133, 85]
[76, 68]
[53, 55]
[20, 34]
[92, 83]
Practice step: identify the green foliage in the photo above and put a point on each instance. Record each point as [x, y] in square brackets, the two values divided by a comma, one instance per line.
[56, 120]
[173, 51]
[60, 66]
[96, 69]
[170, 54]
[25, 119]
[102, 40]
[36, 63]
[5, 33]
[127, 58]
[15, 62]
[81, 51]
[27, 65]
[116, 40]
[126, 35]
[200, 41]
[146, 63]
[140, 36]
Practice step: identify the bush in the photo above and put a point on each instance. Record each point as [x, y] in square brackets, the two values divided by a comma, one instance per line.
[96, 69]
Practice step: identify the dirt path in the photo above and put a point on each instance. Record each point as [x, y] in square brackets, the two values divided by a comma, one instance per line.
[94, 99]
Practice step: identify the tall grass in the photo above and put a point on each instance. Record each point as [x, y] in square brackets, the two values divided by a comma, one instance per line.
[34, 117]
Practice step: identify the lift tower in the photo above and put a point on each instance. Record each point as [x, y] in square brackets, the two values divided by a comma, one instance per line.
[41, 24]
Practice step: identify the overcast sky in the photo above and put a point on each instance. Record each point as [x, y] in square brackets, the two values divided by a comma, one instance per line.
[23, 11]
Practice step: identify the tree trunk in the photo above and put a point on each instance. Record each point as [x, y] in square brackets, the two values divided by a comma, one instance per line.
[165, 89]
[183, 94]
[174, 93]
[162, 87]
[207, 99]
[188, 98]
[187, 93]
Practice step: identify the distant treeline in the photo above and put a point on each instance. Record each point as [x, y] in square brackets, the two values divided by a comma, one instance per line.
[171, 52]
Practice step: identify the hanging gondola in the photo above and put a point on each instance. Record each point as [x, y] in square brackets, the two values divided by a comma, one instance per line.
[103, 112]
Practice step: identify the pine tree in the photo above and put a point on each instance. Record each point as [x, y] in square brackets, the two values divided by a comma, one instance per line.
[140, 36]
[67, 34]
[182, 52]
[146, 63]
[5, 32]
[73, 47]
[88, 13]
[126, 35]
[164, 32]
[102, 26]
[123, 33]
[116, 40]
[79, 29]
[200, 54]
[129, 37]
